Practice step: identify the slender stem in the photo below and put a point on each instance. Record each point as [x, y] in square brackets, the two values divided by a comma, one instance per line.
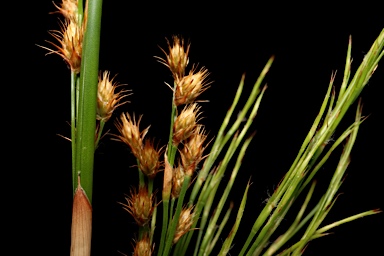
[99, 132]
[175, 219]
[171, 151]
[73, 129]
[164, 226]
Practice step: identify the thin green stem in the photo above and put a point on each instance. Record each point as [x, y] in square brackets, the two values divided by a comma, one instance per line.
[73, 129]
[99, 132]
[175, 219]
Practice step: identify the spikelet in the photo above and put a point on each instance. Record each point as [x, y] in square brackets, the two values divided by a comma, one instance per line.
[140, 205]
[130, 133]
[68, 8]
[189, 87]
[177, 181]
[184, 224]
[177, 58]
[149, 162]
[107, 99]
[192, 152]
[143, 246]
[185, 123]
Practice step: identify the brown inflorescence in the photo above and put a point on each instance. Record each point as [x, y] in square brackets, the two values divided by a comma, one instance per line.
[184, 224]
[177, 180]
[189, 87]
[143, 247]
[130, 133]
[192, 152]
[177, 59]
[140, 205]
[185, 123]
[107, 99]
[149, 162]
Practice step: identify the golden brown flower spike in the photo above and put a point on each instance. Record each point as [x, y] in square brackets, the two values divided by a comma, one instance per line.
[68, 8]
[107, 99]
[185, 123]
[177, 59]
[184, 224]
[143, 246]
[149, 162]
[130, 133]
[192, 152]
[177, 180]
[189, 87]
[140, 205]
[70, 47]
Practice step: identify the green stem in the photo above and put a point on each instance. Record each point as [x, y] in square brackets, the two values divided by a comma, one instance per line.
[99, 132]
[85, 136]
[73, 129]
[171, 153]
[175, 219]
[164, 225]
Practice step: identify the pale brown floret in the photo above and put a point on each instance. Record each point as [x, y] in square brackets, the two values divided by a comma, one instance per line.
[68, 8]
[130, 133]
[185, 123]
[143, 247]
[177, 181]
[177, 58]
[149, 162]
[107, 99]
[189, 87]
[184, 224]
[140, 205]
[192, 152]
[70, 39]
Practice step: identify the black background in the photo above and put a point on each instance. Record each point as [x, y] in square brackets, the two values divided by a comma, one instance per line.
[309, 42]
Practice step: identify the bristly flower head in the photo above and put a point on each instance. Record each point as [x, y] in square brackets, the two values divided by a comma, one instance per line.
[184, 224]
[149, 162]
[143, 246]
[107, 99]
[192, 152]
[177, 58]
[130, 133]
[185, 123]
[177, 180]
[191, 86]
[68, 8]
[140, 205]
[70, 46]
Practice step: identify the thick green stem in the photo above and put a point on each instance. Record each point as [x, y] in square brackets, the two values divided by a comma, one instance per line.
[85, 136]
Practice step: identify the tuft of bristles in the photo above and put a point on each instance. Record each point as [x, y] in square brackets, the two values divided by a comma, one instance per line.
[107, 99]
[185, 123]
[177, 58]
[130, 133]
[192, 152]
[69, 38]
[177, 180]
[140, 205]
[189, 87]
[143, 247]
[184, 224]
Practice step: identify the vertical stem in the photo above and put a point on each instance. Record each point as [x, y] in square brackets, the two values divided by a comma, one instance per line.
[85, 134]
[73, 129]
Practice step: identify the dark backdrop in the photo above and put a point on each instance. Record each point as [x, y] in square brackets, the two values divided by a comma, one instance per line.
[309, 42]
